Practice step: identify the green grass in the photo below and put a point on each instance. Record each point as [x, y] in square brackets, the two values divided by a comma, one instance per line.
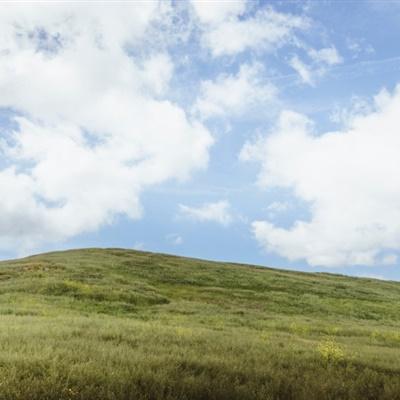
[119, 324]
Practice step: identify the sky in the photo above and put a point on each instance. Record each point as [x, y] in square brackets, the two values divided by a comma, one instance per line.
[249, 131]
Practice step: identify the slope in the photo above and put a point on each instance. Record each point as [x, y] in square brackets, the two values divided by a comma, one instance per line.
[122, 324]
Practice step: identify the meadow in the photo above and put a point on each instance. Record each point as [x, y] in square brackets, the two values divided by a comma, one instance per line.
[122, 324]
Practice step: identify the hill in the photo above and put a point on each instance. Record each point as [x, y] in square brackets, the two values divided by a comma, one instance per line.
[121, 324]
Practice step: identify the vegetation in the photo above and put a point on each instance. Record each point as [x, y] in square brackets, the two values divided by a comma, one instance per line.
[118, 324]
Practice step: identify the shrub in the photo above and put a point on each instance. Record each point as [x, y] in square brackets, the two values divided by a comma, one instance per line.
[331, 352]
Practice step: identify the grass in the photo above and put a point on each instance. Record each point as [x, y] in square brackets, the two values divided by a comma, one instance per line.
[120, 324]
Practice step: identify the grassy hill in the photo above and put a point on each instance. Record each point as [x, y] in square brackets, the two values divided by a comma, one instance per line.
[121, 324]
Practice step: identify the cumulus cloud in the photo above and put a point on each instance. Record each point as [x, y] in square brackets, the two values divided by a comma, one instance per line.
[349, 179]
[265, 30]
[209, 212]
[235, 94]
[94, 127]
[213, 12]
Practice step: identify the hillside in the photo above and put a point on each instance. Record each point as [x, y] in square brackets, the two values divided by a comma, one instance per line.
[122, 324]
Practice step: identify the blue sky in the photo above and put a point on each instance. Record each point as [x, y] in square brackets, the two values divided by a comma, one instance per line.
[249, 131]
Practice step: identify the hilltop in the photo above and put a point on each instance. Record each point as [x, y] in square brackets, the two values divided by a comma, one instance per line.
[124, 324]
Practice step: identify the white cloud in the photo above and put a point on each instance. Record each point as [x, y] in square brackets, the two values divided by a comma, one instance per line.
[358, 106]
[266, 30]
[213, 212]
[157, 72]
[349, 178]
[359, 47]
[320, 61]
[174, 238]
[213, 12]
[327, 55]
[277, 207]
[94, 130]
[234, 94]
[305, 72]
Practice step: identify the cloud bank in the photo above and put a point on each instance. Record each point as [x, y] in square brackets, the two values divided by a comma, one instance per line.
[91, 126]
[349, 179]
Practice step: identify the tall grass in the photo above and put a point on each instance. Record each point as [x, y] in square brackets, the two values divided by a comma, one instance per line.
[117, 324]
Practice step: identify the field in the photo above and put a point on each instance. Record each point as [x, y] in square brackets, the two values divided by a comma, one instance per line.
[121, 324]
